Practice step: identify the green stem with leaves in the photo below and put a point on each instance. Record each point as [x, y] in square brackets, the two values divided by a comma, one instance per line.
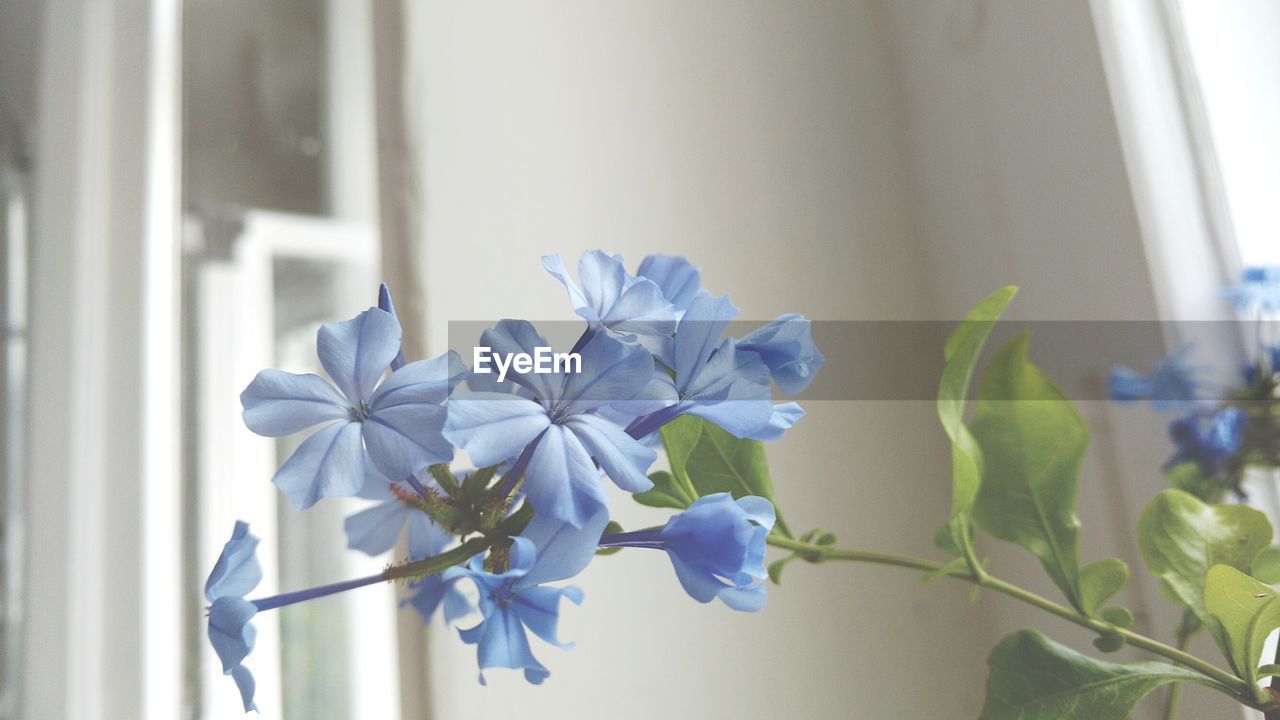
[1222, 680]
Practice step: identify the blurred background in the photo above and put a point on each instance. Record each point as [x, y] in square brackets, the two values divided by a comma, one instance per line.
[189, 188]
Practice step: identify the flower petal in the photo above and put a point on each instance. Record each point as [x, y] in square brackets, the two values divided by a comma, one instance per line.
[641, 309]
[679, 280]
[787, 347]
[502, 643]
[611, 371]
[404, 439]
[698, 582]
[278, 403]
[539, 610]
[330, 463]
[698, 336]
[554, 264]
[375, 530]
[424, 381]
[519, 336]
[759, 510]
[741, 418]
[492, 427]
[357, 352]
[230, 632]
[425, 537]
[561, 481]
[746, 598]
[784, 416]
[237, 571]
[562, 550]
[246, 685]
[603, 279]
[433, 590]
[624, 459]
[385, 304]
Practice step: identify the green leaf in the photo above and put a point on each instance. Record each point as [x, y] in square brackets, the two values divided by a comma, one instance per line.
[667, 492]
[1108, 643]
[775, 568]
[1248, 611]
[956, 565]
[1190, 477]
[961, 353]
[1117, 615]
[706, 459]
[1099, 581]
[444, 478]
[1266, 567]
[1033, 441]
[1034, 678]
[477, 482]
[1181, 538]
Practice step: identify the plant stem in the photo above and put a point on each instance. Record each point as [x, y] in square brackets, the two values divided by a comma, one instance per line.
[1223, 680]
[437, 563]
[1184, 633]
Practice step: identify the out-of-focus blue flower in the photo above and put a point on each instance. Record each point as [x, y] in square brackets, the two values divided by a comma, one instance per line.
[433, 592]
[235, 575]
[717, 548]
[1171, 385]
[679, 280]
[517, 600]
[1208, 439]
[716, 380]
[396, 424]
[1258, 291]
[1252, 372]
[375, 530]
[560, 434]
[786, 346]
[612, 299]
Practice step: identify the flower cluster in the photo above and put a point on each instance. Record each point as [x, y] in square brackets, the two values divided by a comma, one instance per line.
[1218, 433]
[534, 511]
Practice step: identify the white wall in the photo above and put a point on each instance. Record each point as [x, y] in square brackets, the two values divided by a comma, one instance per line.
[762, 140]
[1018, 176]
[859, 160]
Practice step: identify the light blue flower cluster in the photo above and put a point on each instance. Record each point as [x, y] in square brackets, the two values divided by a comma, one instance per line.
[534, 512]
[1220, 431]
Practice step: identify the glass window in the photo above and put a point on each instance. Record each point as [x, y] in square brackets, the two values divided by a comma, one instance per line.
[280, 240]
[1236, 60]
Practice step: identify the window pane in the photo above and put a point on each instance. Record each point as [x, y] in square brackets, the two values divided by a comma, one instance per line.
[1235, 49]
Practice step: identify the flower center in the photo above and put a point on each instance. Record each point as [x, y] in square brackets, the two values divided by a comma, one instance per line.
[361, 413]
[559, 413]
[504, 596]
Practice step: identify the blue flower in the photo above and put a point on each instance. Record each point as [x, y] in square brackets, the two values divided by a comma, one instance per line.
[235, 575]
[717, 381]
[1170, 385]
[717, 548]
[1258, 291]
[786, 346]
[396, 424]
[375, 530]
[612, 299]
[1208, 439]
[385, 304]
[559, 435]
[1254, 372]
[433, 592]
[679, 280]
[517, 600]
